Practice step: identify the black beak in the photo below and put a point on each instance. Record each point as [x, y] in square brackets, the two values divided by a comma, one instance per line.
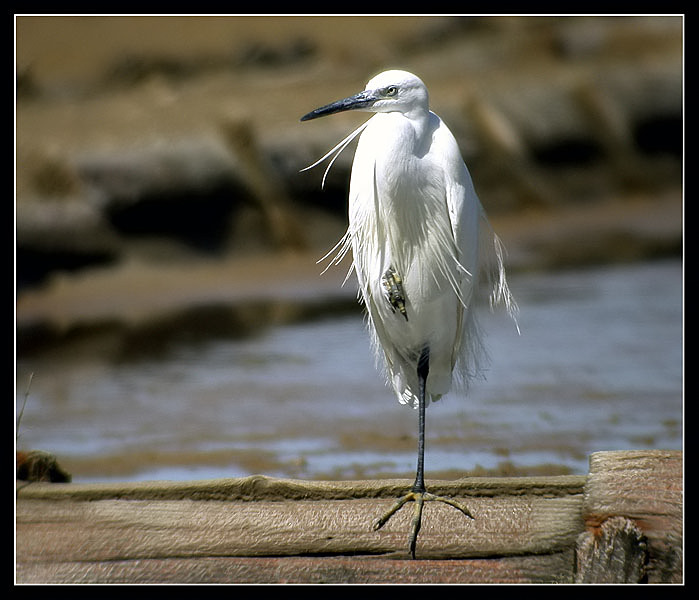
[358, 101]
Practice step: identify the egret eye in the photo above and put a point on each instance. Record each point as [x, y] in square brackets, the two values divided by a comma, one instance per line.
[391, 90]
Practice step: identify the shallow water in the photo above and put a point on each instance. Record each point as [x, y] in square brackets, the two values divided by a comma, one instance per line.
[598, 366]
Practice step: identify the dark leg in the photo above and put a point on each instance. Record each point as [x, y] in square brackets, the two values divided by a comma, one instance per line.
[423, 370]
[419, 494]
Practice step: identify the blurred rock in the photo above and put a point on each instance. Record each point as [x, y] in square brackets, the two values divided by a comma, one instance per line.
[37, 465]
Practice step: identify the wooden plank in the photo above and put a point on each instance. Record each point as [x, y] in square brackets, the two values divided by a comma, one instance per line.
[633, 495]
[261, 487]
[547, 568]
[525, 530]
[622, 523]
[117, 529]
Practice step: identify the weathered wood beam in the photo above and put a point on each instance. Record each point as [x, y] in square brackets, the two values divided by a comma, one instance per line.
[262, 530]
[633, 511]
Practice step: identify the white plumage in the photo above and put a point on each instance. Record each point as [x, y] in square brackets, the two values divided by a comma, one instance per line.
[413, 207]
[421, 247]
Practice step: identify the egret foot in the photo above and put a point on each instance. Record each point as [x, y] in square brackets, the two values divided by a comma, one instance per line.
[393, 285]
[419, 498]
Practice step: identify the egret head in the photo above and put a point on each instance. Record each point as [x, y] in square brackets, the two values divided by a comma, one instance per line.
[389, 91]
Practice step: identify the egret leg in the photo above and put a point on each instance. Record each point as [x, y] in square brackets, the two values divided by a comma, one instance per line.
[419, 493]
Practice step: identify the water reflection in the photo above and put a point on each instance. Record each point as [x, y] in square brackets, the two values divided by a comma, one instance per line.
[598, 367]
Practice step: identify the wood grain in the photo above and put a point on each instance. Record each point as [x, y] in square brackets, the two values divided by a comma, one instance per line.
[263, 530]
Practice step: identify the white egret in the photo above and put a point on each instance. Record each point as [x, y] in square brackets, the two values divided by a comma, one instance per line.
[421, 243]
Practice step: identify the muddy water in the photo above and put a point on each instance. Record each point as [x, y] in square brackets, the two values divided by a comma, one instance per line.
[598, 366]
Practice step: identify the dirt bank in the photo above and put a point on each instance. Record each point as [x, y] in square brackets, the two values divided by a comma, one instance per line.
[158, 156]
